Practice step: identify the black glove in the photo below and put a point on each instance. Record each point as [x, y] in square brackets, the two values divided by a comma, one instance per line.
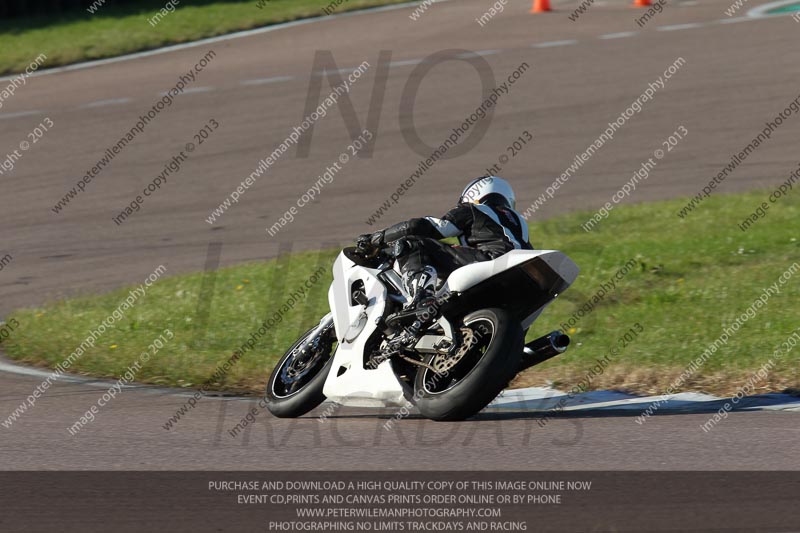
[369, 242]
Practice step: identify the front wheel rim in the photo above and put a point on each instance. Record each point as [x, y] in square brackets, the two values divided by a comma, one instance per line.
[289, 379]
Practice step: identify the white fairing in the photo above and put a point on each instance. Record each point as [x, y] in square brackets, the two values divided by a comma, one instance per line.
[470, 275]
[349, 382]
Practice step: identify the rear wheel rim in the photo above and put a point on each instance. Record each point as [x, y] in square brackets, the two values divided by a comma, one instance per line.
[434, 384]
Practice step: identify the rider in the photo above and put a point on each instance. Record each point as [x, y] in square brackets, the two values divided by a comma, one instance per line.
[484, 221]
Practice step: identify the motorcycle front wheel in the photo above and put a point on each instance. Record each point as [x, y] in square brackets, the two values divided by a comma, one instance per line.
[462, 386]
[295, 385]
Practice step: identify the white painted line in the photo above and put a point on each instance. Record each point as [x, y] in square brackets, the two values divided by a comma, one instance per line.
[550, 44]
[221, 38]
[264, 81]
[26, 371]
[734, 20]
[675, 27]
[346, 70]
[104, 103]
[21, 114]
[619, 35]
[790, 407]
[101, 383]
[339, 70]
[192, 90]
[467, 55]
[406, 62]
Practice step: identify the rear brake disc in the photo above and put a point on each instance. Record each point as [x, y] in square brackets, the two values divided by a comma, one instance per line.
[443, 363]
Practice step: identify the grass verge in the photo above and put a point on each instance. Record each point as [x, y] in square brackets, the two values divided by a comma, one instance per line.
[689, 279]
[116, 30]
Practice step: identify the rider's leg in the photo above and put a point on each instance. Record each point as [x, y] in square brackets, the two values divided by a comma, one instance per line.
[420, 275]
[423, 261]
[417, 258]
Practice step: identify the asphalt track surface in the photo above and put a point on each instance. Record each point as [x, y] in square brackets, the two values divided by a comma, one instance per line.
[738, 74]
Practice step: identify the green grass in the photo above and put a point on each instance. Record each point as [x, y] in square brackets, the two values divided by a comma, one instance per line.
[692, 277]
[115, 30]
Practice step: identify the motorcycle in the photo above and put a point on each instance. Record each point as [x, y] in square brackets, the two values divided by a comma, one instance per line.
[449, 359]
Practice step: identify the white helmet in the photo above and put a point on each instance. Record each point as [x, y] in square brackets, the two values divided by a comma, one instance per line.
[479, 189]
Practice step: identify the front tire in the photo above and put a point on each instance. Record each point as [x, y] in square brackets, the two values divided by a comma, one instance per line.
[295, 387]
[479, 376]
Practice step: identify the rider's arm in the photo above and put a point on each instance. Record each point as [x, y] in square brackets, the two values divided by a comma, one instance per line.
[435, 228]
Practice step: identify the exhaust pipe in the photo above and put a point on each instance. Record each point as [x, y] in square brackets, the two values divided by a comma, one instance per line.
[540, 350]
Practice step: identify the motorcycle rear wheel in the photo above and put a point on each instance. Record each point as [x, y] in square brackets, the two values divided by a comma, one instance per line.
[479, 376]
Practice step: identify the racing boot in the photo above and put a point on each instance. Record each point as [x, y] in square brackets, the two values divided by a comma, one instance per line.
[421, 286]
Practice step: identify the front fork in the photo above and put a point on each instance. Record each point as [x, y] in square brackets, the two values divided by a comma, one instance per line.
[310, 342]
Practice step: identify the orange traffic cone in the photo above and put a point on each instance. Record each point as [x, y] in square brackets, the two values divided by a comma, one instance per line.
[541, 6]
[641, 3]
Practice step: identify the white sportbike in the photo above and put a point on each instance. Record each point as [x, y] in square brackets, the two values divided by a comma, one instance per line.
[364, 351]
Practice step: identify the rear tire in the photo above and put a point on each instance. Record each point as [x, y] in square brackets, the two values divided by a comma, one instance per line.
[479, 376]
[284, 402]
